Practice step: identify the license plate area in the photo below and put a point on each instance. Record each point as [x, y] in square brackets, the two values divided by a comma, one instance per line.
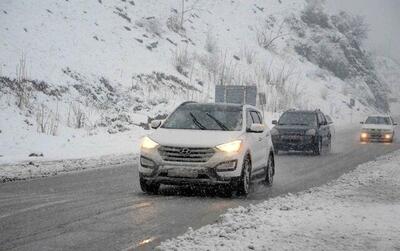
[182, 173]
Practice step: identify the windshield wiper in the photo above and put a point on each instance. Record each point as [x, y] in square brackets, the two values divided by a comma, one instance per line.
[196, 122]
[219, 123]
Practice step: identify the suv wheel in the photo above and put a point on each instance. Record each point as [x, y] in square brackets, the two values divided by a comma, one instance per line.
[318, 147]
[270, 172]
[150, 188]
[244, 182]
[329, 145]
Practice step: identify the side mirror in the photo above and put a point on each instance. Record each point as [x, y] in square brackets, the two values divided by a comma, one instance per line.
[155, 124]
[257, 128]
[274, 122]
[395, 123]
[362, 123]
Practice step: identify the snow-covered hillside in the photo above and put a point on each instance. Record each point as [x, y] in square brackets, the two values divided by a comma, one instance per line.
[389, 70]
[94, 71]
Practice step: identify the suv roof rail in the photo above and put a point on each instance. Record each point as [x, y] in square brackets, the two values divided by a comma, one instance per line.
[291, 109]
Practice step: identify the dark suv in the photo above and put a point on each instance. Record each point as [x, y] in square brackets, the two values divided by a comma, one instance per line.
[301, 131]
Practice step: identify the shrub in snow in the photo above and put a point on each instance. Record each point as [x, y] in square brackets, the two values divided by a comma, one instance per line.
[211, 43]
[249, 54]
[47, 120]
[22, 88]
[313, 14]
[174, 24]
[76, 116]
[268, 32]
[152, 25]
[182, 60]
[353, 27]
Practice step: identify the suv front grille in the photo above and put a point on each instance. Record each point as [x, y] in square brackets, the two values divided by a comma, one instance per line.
[185, 154]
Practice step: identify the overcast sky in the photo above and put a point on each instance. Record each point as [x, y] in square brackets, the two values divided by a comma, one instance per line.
[384, 19]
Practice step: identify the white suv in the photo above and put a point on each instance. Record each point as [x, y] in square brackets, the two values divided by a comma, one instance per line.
[207, 144]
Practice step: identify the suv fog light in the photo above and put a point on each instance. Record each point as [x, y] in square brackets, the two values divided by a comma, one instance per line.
[364, 135]
[226, 166]
[146, 162]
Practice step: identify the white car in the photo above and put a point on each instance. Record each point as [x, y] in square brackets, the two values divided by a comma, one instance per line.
[378, 128]
[207, 144]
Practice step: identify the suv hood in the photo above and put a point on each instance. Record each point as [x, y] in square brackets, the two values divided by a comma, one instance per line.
[293, 129]
[193, 138]
[375, 126]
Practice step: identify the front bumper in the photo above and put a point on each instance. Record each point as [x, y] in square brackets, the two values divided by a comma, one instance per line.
[298, 143]
[187, 173]
[376, 137]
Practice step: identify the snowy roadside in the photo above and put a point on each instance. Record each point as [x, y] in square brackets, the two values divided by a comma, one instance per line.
[35, 168]
[359, 211]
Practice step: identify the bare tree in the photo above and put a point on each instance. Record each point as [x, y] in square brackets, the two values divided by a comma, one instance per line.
[22, 85]
[267, 35]
[182, 60]
[177, 20]
[47, 120]
[76, 116]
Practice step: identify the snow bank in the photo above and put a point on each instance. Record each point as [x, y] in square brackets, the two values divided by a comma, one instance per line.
[357, 212]
[38, 168]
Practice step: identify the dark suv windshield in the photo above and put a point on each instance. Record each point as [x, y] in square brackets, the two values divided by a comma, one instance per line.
[298, 118]
[206, 117]
[378, 120]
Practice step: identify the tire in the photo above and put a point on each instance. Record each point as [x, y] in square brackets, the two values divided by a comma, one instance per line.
[150, 188]
[318, 147]
[329, 145]
[270, 171]
[245, 179]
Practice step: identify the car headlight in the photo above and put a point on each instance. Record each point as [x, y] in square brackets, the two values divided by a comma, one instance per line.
[364, 135]
[233, 146]
[148, 143]
[388, 136]
[311, 132]
[274, 132]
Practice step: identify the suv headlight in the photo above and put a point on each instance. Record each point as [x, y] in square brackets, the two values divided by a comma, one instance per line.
[148, 143]
[230, 147]
[311, 132]
[274, 132]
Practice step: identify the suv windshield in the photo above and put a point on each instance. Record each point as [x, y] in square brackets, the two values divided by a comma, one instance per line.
[378, 120]
[298, 118]
[206, 117]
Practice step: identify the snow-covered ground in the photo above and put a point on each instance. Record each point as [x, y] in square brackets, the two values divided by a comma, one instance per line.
[359, 211]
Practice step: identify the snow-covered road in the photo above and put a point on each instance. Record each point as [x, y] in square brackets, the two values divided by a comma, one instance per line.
[104, 209]
[359, 211]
